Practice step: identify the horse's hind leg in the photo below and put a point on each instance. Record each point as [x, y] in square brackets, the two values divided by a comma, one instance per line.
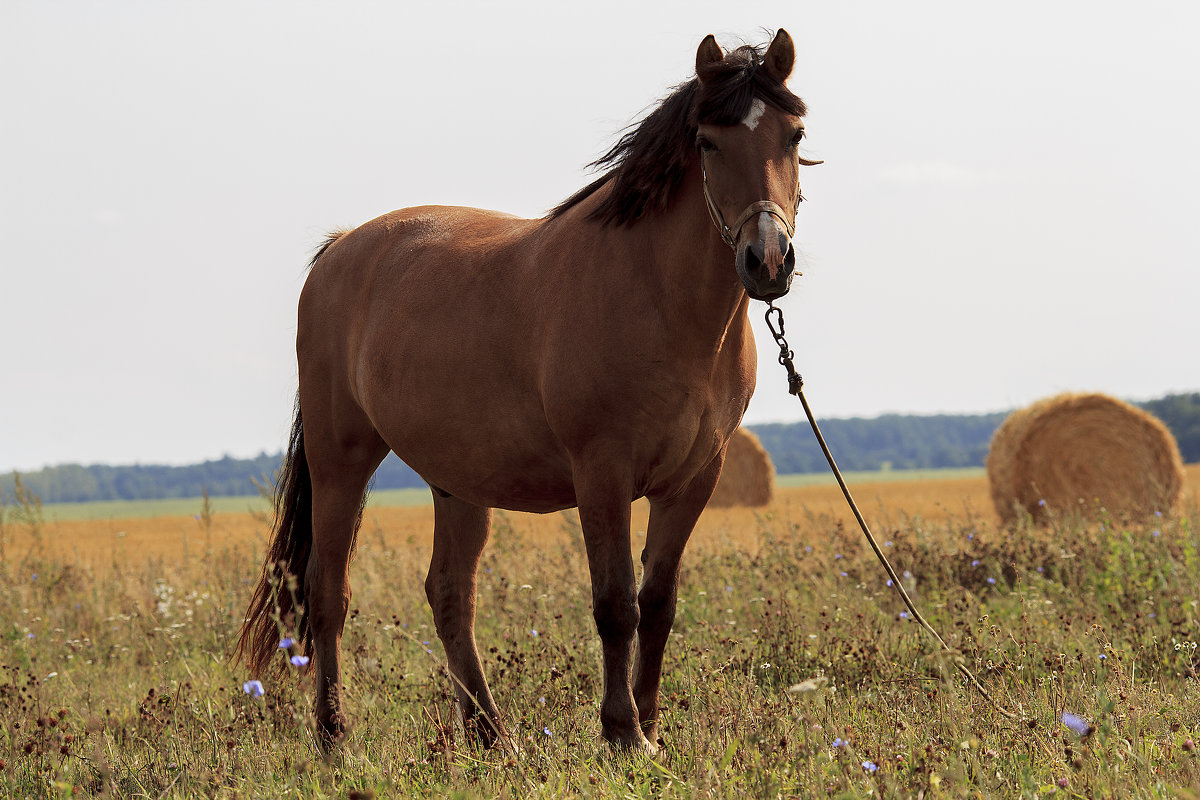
[341, 467]
[459, 535]
[671, 524]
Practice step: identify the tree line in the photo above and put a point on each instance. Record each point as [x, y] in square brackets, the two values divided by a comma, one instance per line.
[891, 441]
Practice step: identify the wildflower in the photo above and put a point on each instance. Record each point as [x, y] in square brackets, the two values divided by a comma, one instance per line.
[975, 563]
[970, 536]
[1041, 503]
[29, 635]
[1063, 782]
[1103, 657]
[547, 731]
[991, 580]
[299, 661]
[837, 556]
[889, 583]
[1040, 569]
[808, 549]
[870, 766]
[253, 688]
[286, 642]
[729, 588]
[1158, 513]
[838, 742]
[887, 544]
[542, 701]
[1156, 533]
[844, 575]
[533, 632]
[1078, 725]
[903, 615]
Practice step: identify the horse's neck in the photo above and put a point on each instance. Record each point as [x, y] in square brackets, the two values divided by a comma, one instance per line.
[694, 268]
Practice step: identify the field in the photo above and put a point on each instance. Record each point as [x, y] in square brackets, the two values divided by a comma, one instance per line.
[793, 670]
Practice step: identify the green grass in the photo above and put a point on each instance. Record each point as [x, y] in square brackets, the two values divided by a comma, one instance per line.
[791, 672]
[127, 509]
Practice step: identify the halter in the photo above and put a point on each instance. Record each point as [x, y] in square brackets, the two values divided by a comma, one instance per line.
[730, 235]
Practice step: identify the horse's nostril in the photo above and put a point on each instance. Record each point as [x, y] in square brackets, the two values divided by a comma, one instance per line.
[754, 258]
[789, 260]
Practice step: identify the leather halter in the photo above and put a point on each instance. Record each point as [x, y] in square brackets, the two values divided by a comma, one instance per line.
[730, 234]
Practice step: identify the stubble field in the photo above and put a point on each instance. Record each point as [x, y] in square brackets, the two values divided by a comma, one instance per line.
[793, 670]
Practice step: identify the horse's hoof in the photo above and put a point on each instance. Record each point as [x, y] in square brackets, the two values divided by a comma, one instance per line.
[331, 734]
[633, 744]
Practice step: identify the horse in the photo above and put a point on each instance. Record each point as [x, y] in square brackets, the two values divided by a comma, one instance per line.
[585, 359]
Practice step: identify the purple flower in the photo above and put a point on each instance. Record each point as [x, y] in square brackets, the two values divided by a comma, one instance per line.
[838, 742]
[870, 766]
[991, 580]
[253, 688]
[299, 661]
[975, 563]
[889, 583]
[286, 642]
[1078, 725]
[903, 615]
[534, 633]
[844, 575]
[1041, 503]
[547, 731]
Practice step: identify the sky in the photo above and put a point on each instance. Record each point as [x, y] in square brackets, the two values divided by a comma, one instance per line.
[1007, 207]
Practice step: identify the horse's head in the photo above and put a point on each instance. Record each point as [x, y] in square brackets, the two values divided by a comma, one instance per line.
[748, 132]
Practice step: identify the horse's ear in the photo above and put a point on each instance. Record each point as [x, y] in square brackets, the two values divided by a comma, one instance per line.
[708, 53]
[780, 57]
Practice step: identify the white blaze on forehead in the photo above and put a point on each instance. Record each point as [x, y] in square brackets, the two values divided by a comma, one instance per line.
[757, 109]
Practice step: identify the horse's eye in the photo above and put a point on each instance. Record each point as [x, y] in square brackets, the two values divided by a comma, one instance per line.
[796, 139]
[704, 144]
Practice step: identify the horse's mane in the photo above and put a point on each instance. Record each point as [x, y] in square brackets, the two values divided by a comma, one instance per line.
[649, 161]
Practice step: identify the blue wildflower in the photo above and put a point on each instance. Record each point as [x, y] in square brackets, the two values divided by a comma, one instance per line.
[991, 580]
[286, 642]
[870, 766]
[975, 563]
[838, 742]
[547, 731]
[1078, 725]
[533, 632]
[299, 661]
[253, 688]
[844, 575]
[889, 583]
[903, 615]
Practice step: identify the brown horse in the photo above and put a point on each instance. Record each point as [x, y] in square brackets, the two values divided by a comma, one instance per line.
[589, 358]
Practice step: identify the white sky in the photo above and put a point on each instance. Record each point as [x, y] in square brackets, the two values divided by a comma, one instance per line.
[1008, 207]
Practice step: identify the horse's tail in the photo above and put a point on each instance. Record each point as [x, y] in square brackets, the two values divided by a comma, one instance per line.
[277, 609]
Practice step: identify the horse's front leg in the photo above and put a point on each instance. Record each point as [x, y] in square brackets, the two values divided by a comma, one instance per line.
[671, 524]
[604, 515]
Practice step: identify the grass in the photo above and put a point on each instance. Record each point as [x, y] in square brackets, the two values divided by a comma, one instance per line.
[791, 672]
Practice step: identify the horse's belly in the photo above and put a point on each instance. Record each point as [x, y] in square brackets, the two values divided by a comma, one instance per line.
[493, 465]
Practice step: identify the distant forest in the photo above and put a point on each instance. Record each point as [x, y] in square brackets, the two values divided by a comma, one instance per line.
[892, 441]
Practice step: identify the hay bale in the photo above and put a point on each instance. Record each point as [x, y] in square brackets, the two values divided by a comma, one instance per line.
[748, 477]
[1080, 452]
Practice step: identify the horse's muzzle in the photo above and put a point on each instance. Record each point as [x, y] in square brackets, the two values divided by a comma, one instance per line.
[766, 265]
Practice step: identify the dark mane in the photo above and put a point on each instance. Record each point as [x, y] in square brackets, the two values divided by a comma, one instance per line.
[650, 160]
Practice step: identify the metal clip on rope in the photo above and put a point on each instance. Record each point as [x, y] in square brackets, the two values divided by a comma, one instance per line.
[774, 317]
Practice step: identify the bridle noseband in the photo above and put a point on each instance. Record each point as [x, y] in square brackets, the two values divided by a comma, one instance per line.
[729, 235]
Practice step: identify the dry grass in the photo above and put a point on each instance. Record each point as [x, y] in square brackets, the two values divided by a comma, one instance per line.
[886, 504]
[113, 680]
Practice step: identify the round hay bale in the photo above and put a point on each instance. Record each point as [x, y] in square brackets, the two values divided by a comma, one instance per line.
[748, 477]
[1081, 452]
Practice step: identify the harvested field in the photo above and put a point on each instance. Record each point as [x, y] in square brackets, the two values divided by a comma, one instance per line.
[884, 503]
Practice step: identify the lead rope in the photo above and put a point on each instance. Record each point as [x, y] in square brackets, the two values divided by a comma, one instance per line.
[774, 317]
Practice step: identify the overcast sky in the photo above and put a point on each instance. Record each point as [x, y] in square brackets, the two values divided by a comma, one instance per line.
[1008, 207]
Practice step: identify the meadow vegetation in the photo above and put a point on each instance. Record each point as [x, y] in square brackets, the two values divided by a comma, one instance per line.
[792, 671]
